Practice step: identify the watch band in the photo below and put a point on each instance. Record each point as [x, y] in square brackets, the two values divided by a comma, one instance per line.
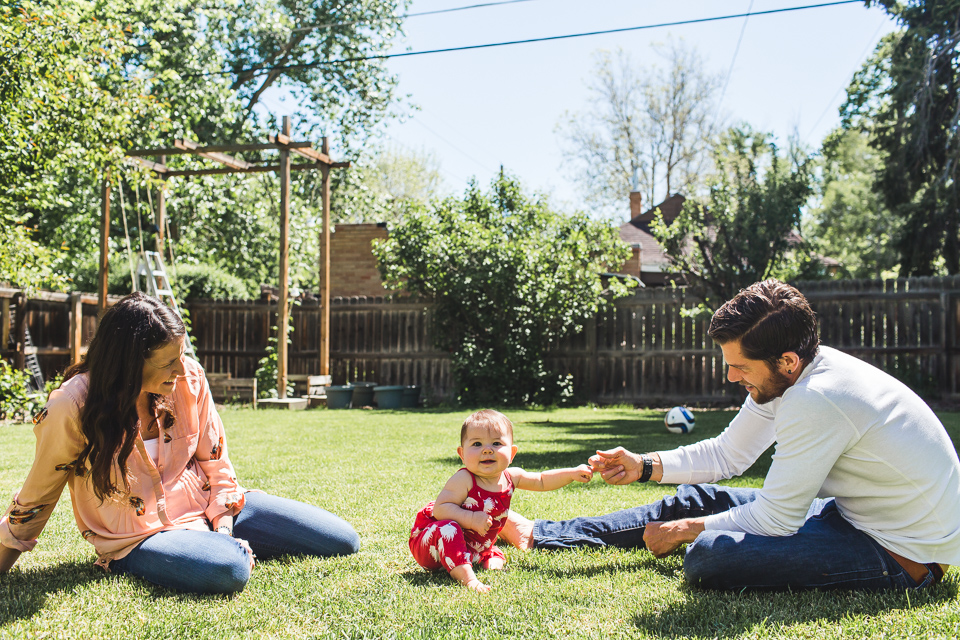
[647, 468]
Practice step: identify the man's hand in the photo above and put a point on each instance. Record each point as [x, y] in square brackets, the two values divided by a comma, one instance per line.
[481, 522]
[617, 466]
[663, 538]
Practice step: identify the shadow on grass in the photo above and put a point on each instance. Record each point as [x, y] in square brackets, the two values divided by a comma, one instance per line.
[644, 562]
[725, 615]
[23, 593]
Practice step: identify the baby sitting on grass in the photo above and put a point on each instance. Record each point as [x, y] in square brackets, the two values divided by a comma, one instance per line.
[460, 527]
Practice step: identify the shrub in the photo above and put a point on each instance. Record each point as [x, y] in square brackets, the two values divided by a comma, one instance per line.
[508, 276]
[208, 282]
[16, 399]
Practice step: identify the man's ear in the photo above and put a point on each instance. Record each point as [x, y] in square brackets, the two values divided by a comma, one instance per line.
[460, 453]
[790, 363]
[513, 452]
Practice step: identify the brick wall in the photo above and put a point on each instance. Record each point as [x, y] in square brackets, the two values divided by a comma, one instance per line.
[353, 268]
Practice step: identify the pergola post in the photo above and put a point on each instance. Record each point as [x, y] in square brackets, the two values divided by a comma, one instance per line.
[161, 218]
[218, 153]
[283, 309]
[325, 267]
[104, 244]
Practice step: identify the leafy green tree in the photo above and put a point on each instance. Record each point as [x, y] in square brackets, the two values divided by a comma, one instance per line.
[906, 96]
[744, 230]
[212, 64]
[383, 184]
[54, 111]
[507, 276]
[850, 222]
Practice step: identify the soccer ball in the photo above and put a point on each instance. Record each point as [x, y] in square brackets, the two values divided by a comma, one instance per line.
[679, 420]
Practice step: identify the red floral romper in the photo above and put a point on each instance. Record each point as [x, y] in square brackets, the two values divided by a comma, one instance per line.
[443, 544]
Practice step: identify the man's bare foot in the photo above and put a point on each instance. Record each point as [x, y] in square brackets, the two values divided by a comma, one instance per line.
[464, 575]
[493, 563]
[518, 531]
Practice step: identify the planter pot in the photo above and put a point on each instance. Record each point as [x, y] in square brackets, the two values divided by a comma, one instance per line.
[388, 397]
[411, 396]
[362, 394]
[339, 397]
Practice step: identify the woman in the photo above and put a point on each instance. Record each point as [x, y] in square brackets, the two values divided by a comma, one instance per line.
[134, 431]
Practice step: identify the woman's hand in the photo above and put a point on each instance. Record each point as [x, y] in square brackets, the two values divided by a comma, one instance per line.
[8, 557]
[246, 545]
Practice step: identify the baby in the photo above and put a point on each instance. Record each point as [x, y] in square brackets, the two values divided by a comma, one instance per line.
[459, 528]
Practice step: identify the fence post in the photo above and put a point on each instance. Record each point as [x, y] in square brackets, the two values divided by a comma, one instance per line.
[591, 328]
[20, 331]
[5, 319]
[76, 326]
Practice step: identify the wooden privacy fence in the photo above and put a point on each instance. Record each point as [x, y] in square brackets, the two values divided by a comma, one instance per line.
[641, 349]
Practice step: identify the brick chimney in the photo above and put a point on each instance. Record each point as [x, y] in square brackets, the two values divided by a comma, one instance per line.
[635, 204]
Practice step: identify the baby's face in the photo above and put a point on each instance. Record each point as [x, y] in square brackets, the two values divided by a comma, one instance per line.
[486, 452]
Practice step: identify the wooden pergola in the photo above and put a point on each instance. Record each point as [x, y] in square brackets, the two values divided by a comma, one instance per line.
[285, 145]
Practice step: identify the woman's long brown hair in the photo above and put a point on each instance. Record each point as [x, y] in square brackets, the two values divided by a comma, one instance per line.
[128, 332]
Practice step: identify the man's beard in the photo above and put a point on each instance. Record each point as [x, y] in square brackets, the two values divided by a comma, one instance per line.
[774, 388]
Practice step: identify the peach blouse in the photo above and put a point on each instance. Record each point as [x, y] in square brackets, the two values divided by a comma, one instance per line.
[191, 484]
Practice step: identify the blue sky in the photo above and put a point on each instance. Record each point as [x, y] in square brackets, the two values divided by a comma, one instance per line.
[483, 108]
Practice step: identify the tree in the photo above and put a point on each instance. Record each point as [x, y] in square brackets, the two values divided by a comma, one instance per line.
[507, 275]
[656, 125]
[743, 231]
[907, 96]
[54, 111]
[383, 183]
[851, 222]
[212, 64]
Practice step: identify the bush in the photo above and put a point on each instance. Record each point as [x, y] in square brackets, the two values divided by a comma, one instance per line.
[16, 398]
[508, 276]
[208, 282]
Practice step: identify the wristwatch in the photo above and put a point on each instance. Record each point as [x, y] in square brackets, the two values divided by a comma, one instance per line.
[225, 529]
[647, 468]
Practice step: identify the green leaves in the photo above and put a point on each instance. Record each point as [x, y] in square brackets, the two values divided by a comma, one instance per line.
[743, 231]
[507, 276]
[906, 97]
[54, 112]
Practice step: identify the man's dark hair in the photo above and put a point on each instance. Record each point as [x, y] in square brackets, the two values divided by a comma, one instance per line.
[769, 318]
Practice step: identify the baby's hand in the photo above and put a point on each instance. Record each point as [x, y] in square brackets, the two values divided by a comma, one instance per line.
[582, 473]
[481, 522]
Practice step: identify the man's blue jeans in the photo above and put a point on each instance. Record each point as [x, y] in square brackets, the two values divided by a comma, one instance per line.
[827, 552]
[209, 562]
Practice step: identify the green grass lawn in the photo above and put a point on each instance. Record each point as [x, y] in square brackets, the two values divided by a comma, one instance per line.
[376, 469]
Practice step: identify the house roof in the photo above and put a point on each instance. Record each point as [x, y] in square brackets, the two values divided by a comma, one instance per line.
[637, 232]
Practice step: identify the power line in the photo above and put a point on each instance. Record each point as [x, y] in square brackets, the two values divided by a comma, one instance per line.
[736, 51]
[408, 15]
[407, 54]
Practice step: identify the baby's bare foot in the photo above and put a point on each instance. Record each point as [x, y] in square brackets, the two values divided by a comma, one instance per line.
[518, 531]
[493, 564]
[464, 575]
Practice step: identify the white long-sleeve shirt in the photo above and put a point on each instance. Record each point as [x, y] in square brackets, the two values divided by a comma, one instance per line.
[846, 430]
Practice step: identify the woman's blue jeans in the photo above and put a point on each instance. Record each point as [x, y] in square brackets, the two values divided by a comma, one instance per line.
[209, 562]
[827, 552]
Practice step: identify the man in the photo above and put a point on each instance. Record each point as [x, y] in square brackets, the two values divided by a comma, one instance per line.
[863, 491]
